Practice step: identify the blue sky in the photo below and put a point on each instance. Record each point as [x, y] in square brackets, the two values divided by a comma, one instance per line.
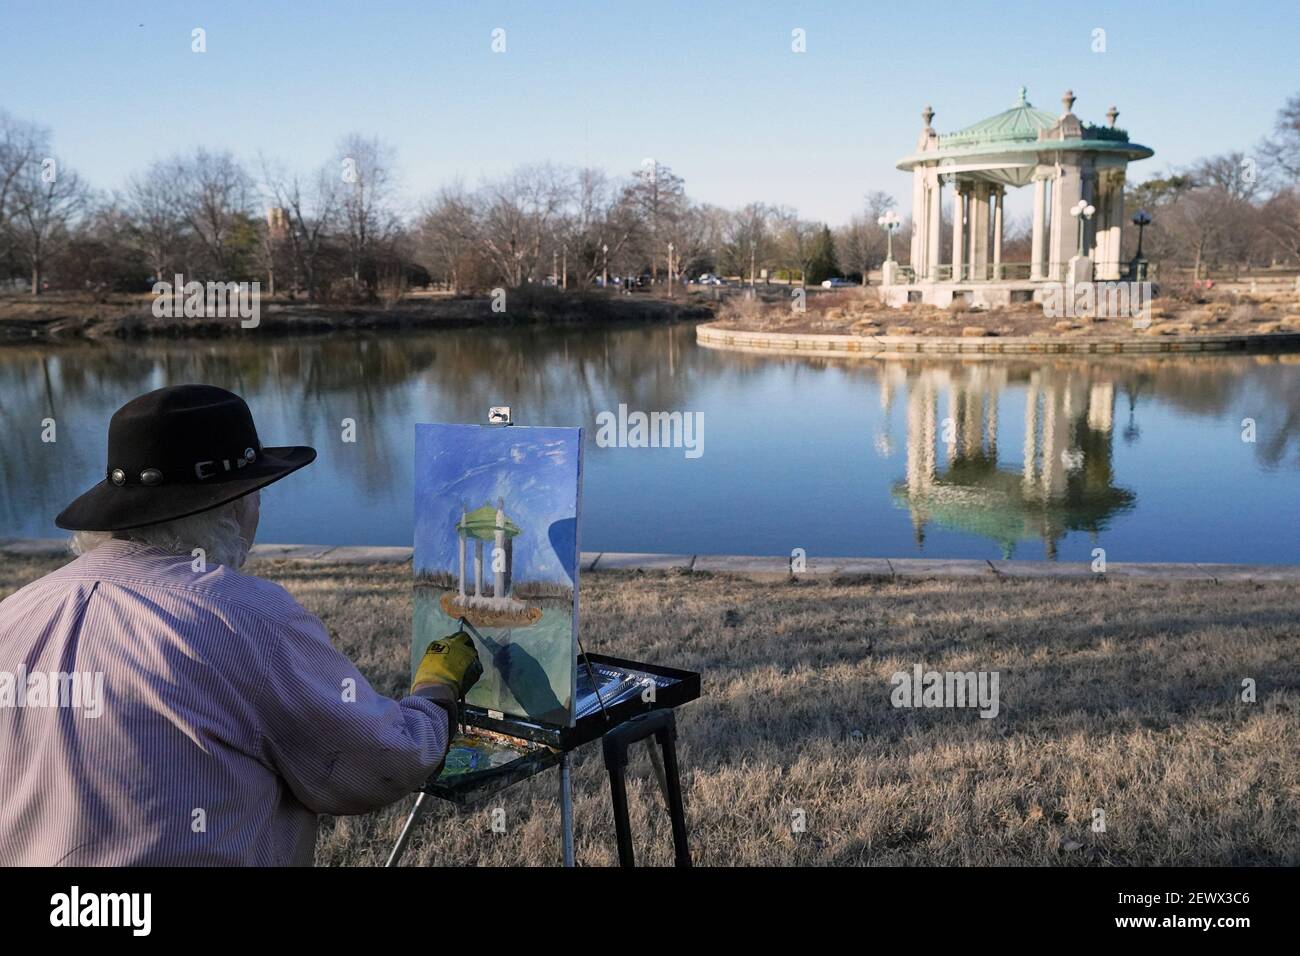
[713, 90]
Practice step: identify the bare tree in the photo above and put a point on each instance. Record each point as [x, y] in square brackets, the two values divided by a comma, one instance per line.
[447, 235]
[157, 226]
[797, 242]
[44, 198]
[747, 241]
[660, 199]
[691, 235]
[861, 243]
[212, 193]
[365, 204]
[518, 213]
[602, 225]
[1217, 219]
[1282, 150]
[1281, 217]
[21, 144]
[311, 211]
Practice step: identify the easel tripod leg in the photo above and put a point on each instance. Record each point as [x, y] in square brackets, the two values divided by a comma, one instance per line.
[400, 846]
[566, 809]
[676, 808]
[656, 762]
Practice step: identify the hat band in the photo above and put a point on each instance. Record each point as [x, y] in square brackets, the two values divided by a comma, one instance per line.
[209, 469]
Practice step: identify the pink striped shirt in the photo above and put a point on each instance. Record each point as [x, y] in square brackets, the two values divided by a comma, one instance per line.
[226, 721]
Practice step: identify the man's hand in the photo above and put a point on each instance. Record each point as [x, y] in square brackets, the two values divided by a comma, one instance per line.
[449, 668]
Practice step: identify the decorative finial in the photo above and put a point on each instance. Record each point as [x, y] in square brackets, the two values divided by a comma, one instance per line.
[1023, 93]
[1112, 114]
[1068, 99]
[927, 114]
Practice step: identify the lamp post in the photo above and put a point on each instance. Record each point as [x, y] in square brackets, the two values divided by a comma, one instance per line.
[604, 266]
[890, 222]
[1141, 219]
[670, 270]
[1082, 211]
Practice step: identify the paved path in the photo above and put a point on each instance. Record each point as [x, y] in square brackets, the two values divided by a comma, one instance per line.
[596, 562]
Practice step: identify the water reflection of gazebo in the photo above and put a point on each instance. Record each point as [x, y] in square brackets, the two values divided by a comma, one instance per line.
[1067, 479]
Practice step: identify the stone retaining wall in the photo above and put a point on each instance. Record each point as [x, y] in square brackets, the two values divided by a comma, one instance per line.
[710, 335]
[597, 562]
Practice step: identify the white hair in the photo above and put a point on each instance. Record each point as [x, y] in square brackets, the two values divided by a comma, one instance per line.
[218, 531]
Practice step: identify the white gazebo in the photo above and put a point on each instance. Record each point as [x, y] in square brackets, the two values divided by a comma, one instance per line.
[487, 524]
[1072, 166]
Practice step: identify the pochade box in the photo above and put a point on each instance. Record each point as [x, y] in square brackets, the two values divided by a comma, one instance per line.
[497, 556]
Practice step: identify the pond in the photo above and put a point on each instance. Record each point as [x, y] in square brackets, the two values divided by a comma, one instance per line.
[1152, 458]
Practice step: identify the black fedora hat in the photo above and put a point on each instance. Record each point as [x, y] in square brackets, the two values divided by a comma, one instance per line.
[176, 452]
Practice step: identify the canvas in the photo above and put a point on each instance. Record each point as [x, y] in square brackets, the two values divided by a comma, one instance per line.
[496, 542]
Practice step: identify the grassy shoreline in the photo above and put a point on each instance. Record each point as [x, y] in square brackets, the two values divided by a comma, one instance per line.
[57, 317]
[1118, 695]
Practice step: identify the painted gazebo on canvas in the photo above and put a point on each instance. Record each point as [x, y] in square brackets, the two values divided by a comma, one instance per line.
[1065, 160]
[496, 546]
[486, 525]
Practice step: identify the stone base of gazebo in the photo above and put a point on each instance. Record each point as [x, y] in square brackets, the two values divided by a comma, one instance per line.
[979, 295]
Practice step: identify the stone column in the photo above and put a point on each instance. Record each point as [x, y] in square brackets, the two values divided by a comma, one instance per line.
[499, 553]
[1067, 189]
[1040, 216]
[978, 222]
[958, 230]
[920, 221]
[1110, 230]
[460, 539]
[936, 224]
[997, 231]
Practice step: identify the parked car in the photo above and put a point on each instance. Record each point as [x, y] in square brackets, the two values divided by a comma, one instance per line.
[710, 279]
[836, 283]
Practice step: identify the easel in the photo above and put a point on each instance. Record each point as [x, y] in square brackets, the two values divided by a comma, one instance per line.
[618, 726]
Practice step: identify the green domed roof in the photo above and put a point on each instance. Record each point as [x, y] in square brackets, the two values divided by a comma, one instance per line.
[481, 523]
[1020, 124]
[1005, 148]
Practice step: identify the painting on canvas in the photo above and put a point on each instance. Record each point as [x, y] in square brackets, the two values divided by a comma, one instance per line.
[496, 543]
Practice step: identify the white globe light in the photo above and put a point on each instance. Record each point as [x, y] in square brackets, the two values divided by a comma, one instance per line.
[1089, 211]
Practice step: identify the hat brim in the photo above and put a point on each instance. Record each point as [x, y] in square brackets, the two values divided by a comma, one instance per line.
[108, 507]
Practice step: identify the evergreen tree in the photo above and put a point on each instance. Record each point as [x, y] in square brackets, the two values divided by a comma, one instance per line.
[823, 264]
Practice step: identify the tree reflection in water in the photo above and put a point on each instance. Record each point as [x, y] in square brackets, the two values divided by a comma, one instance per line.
[763, 477]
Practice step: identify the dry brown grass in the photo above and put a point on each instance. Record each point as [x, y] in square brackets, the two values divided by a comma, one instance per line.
[1118, 695]
[859, 312]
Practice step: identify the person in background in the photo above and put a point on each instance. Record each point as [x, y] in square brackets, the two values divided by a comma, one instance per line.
[158, 707]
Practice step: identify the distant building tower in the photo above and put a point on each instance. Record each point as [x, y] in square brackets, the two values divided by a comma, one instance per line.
[277, 223]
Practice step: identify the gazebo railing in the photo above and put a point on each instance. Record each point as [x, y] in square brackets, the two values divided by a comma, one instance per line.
[1008, 272]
